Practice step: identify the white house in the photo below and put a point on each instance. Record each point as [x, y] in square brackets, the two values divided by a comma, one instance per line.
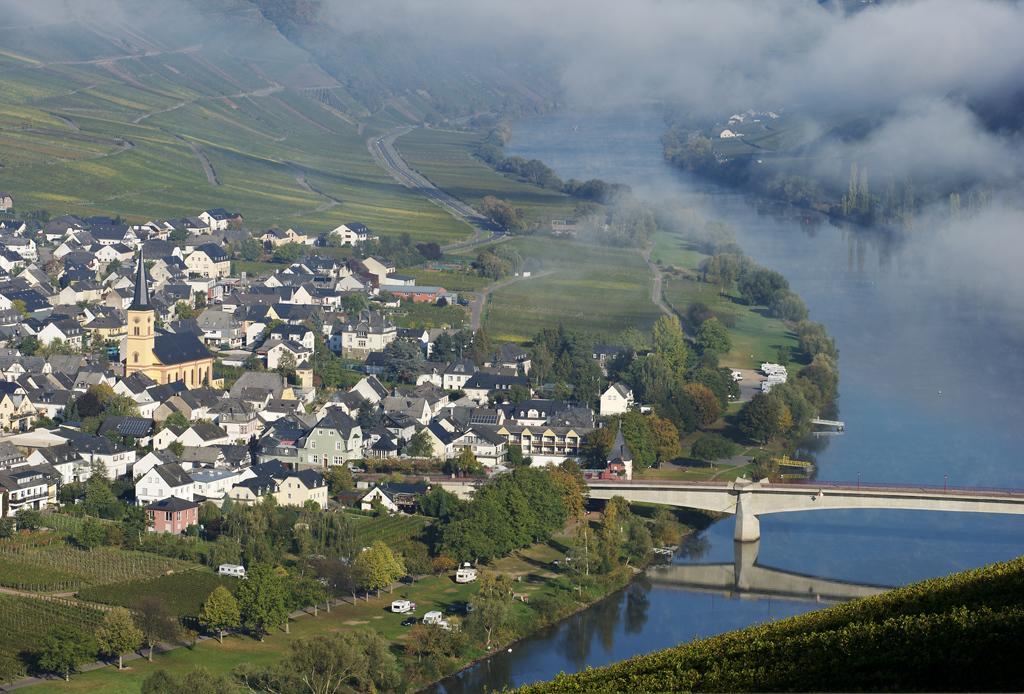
[353, 233]
[616, 400]
[163, 481]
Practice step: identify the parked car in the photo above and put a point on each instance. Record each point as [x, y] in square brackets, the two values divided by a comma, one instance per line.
[409, 622]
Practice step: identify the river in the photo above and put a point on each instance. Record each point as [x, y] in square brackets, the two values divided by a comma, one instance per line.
[931, 377]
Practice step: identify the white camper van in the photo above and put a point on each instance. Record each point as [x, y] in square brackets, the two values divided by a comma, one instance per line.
[465, 574]
[235, 570]
[403, 606]
[433, 617]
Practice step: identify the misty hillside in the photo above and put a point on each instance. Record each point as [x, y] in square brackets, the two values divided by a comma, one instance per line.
[161, 109]
[418, 74]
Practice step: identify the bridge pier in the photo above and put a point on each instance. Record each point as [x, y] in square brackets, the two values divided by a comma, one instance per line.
[748, 527]
[744, 558]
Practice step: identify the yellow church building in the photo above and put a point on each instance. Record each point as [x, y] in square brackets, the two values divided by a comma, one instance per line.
[164, 357]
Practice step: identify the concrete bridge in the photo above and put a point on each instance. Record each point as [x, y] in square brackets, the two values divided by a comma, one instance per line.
[745, 578]
[747, 500]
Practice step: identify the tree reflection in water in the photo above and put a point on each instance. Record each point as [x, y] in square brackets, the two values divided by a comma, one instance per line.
[637, 604]
[694, 547]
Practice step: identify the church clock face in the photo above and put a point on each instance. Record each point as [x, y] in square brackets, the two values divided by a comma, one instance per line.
[136, 319]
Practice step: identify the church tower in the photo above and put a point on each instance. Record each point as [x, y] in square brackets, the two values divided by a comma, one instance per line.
[141, 325]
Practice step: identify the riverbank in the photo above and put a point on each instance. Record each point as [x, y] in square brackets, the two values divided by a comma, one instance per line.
[531, 569]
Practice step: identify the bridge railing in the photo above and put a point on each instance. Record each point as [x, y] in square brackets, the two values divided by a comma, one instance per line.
[814, 486]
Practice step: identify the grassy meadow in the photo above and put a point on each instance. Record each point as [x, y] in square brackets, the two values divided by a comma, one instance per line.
[596, 289]
[445, 157]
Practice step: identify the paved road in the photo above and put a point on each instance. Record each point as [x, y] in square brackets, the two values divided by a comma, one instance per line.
[383, 150]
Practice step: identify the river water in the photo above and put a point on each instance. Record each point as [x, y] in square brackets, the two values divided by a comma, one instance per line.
[932, 374]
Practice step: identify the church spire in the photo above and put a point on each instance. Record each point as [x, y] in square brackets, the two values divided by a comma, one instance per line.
[140, 302]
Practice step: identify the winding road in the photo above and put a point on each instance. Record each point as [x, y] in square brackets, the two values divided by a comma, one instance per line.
[382, 148]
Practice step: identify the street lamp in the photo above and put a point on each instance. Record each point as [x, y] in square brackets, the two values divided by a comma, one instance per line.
[945, 483]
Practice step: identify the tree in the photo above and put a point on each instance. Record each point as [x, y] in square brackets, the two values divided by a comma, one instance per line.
[261, 601]
[65, 648]
[199, 681]
[339, 479]
[758, 285]
[99, 498]
[250, 250]
[29, 519]
[403, 361]
[711, 447]
[492, 607]
[670, 344]
[439, 503]
[117, 634]
[348, 661]
[420, 445]
[90, 534]
[155, 622]
[466, 463]
[490, 264]
[515, 457]
[759, 418]
[177, 420]
[713, 337]
[616, 513]
[378, 567]
[502, 213]
[286, 364]
[220, 612]
[705, 403]
[664, 438]
[29, 345]
[289, 252]
[305, 591]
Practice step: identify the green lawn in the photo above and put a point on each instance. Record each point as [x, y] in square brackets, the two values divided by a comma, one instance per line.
[596, 289]
[449, 279]
[445, 157]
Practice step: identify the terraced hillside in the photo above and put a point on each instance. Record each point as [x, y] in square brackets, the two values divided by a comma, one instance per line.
[154, 114]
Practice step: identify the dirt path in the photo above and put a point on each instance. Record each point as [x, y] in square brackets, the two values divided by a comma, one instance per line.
[657, 293]
[300, 178]
[211, 174]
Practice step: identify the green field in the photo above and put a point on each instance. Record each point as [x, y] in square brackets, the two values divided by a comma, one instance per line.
[430, 593]
[183, 592]
[93, 126]
[436, 592]
[596, 289]
[755, 337]
[57, 566]
[24, 622]
[389, 529]
[449, 279]
[445, 157]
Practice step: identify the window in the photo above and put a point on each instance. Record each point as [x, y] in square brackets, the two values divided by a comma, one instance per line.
[136, 329]
[135, 356]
